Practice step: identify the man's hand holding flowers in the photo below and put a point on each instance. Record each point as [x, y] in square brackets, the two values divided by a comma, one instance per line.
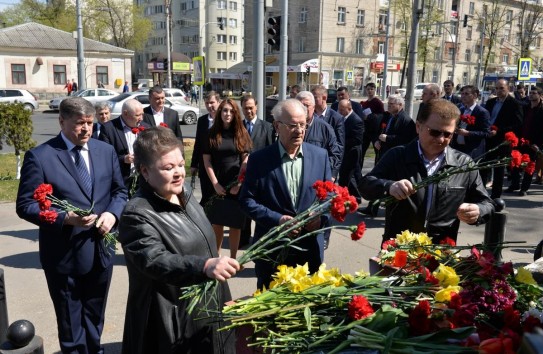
[105, 222]
[73, 219]
[468, 213]
[402, 189]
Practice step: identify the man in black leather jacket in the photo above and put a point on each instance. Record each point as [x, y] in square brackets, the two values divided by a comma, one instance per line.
[439, 208]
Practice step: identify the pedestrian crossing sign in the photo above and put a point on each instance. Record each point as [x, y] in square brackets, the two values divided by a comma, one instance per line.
[524, 69]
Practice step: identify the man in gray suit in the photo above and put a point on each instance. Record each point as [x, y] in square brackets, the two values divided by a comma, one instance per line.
[262, 135]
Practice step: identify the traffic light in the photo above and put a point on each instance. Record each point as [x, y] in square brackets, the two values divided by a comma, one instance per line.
[166, 64]
[275, 32]
[466, 20]
[221, 24]
[308, 70]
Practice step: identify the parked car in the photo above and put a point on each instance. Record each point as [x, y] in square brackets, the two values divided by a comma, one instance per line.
[91, 95]
[187, 114]
[29, 101]
[176, 95]
[332, 95]
[417, 93]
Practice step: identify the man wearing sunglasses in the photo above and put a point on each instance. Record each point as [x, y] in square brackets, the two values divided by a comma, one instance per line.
[439, 208]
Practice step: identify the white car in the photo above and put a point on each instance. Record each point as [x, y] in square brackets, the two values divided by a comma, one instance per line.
[173, 94]
[91, 95]
[187, 114]
[29, 101]
[417, 93]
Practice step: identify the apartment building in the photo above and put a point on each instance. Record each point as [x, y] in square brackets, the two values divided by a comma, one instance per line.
[343, 41]
[197, 27]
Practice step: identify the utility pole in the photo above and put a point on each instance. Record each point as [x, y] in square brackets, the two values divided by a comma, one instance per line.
[80, 50]
[418, 9]
[258, 73]
[385, 71]
[481, 51]
[168, 44]
[283, 51]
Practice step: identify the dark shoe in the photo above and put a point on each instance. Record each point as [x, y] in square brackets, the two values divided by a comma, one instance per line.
[244, 241]
[511, 189]
[522, 193]
[369, 211]
[538, 180]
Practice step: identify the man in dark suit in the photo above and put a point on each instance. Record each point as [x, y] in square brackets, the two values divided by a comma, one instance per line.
[448, 88]
[268, 196]
[211, 101]
[262, 134]
[470, 138]
[336, 121]
[343, 94]
[350, 172]
[84, 172]
[506, 116]
[121, 133]
[103, 115]
[156, 113]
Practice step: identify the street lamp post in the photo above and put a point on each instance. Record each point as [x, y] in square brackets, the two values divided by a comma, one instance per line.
[80, 49]
[418, 6]
[168, 44]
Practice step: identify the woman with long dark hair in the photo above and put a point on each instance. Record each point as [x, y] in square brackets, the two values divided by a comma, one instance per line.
[225, 158]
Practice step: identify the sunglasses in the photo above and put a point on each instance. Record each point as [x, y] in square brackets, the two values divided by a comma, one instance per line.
[437, 133]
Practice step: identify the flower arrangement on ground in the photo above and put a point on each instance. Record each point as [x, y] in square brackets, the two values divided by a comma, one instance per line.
[331, 198]
[45, 198]
[439, 301]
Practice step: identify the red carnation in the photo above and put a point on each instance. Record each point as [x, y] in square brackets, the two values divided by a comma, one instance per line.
[359, 232]
[135, 130]
[419, 321]
[530, 168]
[142, 128]
[511, 138]
[48, 216]
[389, 244]
[45, 204]
[493, 128]
[40, 194]
[468, 119]
[359, 308]
[524, 141]
[448, 241]
[516, 159]
[241, 176]
[383, 126]
[400, 259]
[525, 158]
[162, 124]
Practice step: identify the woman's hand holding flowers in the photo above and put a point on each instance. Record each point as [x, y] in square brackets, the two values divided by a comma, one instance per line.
[221, 268]
[219, 189]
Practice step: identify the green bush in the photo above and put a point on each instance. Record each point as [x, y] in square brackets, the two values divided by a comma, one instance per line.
[16, 127]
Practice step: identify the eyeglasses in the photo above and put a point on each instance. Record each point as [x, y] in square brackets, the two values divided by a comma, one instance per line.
[437, 133]
[293, 127]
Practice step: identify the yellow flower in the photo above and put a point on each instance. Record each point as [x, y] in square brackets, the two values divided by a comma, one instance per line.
[444, 295]
[423, 239]
[405, 238]
[525, 276]
[446, 276]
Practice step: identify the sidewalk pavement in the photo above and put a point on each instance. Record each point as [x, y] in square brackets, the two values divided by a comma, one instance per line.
[28, 298]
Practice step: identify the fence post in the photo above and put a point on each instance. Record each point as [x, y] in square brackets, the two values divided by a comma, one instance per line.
[3, 309]
[495, 229]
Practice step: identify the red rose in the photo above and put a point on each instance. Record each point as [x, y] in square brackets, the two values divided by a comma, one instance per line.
[163, 125]
[511, 138]
[359, 308]
[400, 259]
[359, 232]
[48, 216]
[530, 168]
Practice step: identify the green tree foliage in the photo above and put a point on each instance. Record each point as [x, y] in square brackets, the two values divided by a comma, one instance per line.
[16, 127]
[59, 14]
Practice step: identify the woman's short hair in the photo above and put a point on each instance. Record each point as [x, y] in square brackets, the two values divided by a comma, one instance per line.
[153, 143]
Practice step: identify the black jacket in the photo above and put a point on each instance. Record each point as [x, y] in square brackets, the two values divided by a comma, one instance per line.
[401, 131]
[171, 118]
[166, 246]
[509, 119]
[404, 162]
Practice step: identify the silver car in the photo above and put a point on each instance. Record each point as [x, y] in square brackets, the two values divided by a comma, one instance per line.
[91, 95]
[187, 114]
[29, 101]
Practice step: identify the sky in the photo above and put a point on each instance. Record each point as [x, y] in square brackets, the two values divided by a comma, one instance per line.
[5, 3]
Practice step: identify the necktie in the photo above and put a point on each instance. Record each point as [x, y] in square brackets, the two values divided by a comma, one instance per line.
[249, 127]
[82, 170]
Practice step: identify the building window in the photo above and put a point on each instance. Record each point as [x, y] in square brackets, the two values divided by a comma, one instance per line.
[233, 6]
[233, 40]
[472, 8]
[381, 47]
[464, 78]
[360, 17]
[18, 75]
[437, 53]
[59, 74]
[519, 36]
[233, 23]
[221, 38]
[340, 45]
[183, 6]
[449, 75]
[221, 55]
[303, 15]
[221, 4]
[233, 56]
[469, 33]
[505, 59]
[101, 75]
[221, 20]
[301, 44]
[382, 20]
[359, 46]
[492, 58]
[467, 55]
[403, 49]
[435, 74]
[451, 53]
[341, 13]
[509, 16]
